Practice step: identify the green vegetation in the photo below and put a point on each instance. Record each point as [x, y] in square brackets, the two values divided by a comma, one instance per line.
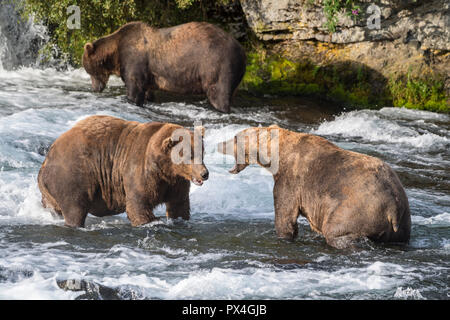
[345, 83]
[349, 84]
[102, 17]
[332, 7]
[423, 94]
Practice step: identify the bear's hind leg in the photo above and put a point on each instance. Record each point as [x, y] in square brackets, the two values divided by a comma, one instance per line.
[341, 234]
[54, 209]
[74, 216]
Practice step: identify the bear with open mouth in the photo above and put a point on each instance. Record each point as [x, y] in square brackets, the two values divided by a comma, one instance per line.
[344, 195]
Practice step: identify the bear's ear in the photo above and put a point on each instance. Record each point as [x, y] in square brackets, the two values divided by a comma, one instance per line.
[169, 143]
[89, 48]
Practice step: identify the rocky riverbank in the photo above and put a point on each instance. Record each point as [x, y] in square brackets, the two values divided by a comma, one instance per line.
[402, 61]
[361, 54]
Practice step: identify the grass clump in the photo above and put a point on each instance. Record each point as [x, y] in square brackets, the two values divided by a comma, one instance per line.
[422, 94]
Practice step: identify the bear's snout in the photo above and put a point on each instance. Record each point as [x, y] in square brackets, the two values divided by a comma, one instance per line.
[205, 174]
[97, 85]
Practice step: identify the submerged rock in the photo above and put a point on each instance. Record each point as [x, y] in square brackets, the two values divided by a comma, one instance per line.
[92, 290]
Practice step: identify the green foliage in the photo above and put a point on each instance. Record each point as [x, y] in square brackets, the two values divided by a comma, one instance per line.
[184, 4]
[349, 84]
[275, 75]
[332, 7]
[102, 17]
[423, 94]
[97, 18]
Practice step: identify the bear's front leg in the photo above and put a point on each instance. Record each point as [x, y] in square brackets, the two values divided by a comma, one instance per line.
[149, 95]
[138, 211]
[177, 200]
[286, 211]
[136, 83]
[178, 208]
[135, 94]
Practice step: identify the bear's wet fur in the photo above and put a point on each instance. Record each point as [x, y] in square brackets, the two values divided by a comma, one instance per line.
[345, 196]
[192, 58]
[105, 165]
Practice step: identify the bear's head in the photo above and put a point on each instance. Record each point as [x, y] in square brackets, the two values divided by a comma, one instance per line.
[253, 146]
[99, 63]
[184, 150]
[218, 98]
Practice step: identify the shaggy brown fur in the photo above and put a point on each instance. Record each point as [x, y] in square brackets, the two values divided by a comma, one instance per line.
[105, 166]
[344, 195]
[194, 58]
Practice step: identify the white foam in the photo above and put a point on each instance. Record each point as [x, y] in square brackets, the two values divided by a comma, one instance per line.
[408, 293]
[411, 114]
[36, 287]
[370, 126]
[440, 220]
[250, 282]
[21, 201]
[445, 243]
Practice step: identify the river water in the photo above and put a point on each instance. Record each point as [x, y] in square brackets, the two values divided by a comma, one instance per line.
[228, 250]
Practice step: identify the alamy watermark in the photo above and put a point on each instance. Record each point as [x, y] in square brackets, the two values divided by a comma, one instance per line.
[74, 17]
[250, 146]
[374, 20]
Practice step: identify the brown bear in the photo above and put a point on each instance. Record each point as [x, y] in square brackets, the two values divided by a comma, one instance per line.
[105, 166]
[192, 58]
[344, 195]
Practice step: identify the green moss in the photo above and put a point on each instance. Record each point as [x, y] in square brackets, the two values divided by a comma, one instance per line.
[349, 84]
[275, 75]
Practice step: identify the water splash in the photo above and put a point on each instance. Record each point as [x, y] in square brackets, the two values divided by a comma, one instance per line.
[20, 39]
[2, 48]
[375, 127]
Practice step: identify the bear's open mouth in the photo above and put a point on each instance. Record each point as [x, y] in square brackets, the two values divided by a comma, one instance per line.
[197, 182]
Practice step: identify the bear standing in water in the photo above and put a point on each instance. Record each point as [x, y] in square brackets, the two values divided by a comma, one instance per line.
[105, 166]
[192, 58]
[344, 195]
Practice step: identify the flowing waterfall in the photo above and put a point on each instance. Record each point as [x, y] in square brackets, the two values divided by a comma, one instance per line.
[2, 48]
[20, 40]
